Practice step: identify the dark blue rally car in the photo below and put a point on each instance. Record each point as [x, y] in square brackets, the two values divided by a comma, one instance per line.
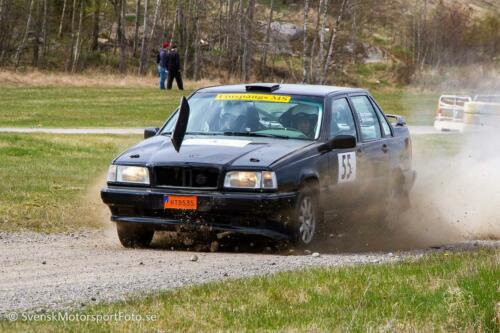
[260, 159]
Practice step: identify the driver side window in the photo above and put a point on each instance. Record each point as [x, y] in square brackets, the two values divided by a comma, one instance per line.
[341, 120]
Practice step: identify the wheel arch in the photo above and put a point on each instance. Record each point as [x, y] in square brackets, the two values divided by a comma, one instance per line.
[309, 179]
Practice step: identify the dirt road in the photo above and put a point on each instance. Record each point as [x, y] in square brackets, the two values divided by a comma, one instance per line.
[72, 271]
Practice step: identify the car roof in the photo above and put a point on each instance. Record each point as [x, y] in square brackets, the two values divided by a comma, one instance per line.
[292, 89]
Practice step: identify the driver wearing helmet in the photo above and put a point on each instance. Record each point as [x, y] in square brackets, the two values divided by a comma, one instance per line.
[231, 117]
[304, 124]
[305, 121]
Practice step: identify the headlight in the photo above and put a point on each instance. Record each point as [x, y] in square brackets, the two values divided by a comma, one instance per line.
[128, 174]
[251, 179]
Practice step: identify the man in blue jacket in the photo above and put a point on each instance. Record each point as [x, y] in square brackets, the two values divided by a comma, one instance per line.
[162, 61]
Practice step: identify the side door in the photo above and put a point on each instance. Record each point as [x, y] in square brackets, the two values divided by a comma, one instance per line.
[343, 187]
[373, 149]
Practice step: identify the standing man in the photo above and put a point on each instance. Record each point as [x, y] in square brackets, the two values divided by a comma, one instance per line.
[174, 68]
[161, 60]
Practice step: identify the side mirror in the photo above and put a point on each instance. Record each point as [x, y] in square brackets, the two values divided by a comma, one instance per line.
[339, 142]
[396, 120]
[343, 142]
[150, 131]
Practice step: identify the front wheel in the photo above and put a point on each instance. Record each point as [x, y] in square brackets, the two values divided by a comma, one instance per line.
[305, 218]
[134, 234]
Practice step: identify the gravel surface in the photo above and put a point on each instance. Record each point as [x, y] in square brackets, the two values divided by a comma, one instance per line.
[45, 272]
[416, 130]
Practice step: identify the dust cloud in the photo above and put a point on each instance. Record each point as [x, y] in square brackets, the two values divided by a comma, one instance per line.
[457, 192]
[456, 197]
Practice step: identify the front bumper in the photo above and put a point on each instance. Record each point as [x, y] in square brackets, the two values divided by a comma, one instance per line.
[247, 213]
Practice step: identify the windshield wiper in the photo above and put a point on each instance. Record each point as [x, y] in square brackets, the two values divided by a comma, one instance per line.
[264, 135]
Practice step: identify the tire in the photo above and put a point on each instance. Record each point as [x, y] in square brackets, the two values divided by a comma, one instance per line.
[306, 218]
[133, 235]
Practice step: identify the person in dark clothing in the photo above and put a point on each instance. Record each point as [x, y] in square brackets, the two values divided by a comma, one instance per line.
[174, 68]
[161, 61]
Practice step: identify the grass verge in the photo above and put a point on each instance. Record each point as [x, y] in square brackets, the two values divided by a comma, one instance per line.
[46, 178]
[86, 106]
[418, 108]
[129, 106]
[439, 292]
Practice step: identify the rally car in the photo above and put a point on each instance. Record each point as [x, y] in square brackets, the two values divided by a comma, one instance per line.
[260, 159]
[450, 112]
[462, 113]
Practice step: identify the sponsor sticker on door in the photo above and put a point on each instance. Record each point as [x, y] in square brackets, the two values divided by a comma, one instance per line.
[347, 167]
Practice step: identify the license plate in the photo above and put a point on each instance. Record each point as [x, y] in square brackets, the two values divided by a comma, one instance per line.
[182, 202]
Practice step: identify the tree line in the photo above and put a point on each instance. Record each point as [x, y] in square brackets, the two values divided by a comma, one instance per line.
[316, 41]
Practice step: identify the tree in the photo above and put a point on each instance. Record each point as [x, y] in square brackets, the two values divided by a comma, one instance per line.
[2, 30]
[155, 19]
[136, 30]
[121, 37]
[143, 61]
[44, 31]
[267, 41]
[196, 60]
[187, 35]
[95, 25]
[327, 63]
[323, 12]
[77, 46]
[22, 45]
[305, 63]
[61, 22]
[247, 42]
[312, 68]
[69, 61]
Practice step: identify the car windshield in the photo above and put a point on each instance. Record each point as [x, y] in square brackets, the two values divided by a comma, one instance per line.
[253, 114]
[454, 100]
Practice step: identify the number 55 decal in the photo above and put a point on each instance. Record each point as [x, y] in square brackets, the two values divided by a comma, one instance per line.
[347, 167]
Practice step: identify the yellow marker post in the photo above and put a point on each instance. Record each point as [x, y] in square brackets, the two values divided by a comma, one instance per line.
[254, 97]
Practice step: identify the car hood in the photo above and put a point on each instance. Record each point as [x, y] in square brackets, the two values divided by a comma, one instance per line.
[214, 150]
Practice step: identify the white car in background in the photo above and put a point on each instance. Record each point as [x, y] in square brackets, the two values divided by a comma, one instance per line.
[461, 113]
[450, 112]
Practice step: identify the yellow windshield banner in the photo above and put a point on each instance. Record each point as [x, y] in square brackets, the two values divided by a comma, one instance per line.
[254, 97]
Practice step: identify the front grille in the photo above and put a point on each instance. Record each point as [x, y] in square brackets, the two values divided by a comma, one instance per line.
[181, 176]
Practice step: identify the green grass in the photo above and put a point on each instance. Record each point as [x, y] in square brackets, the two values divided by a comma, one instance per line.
[444, 145]
[417, 108]
[46, 180]
[142, 107]
[456, 292]
[86, 106]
